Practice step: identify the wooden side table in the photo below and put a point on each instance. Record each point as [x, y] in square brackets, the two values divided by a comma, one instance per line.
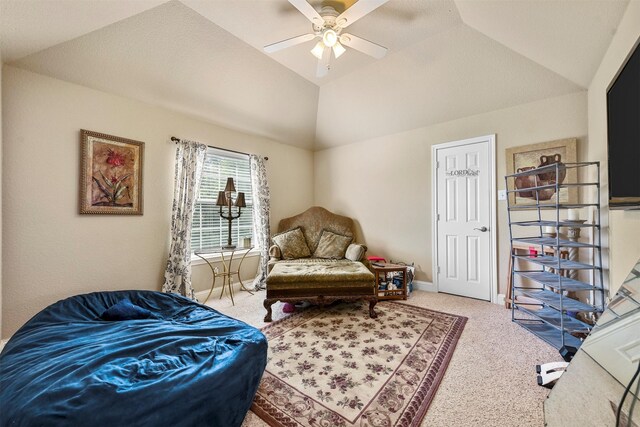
[384, 273]
[226, 274]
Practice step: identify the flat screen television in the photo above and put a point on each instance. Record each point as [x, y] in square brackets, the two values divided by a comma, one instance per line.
[623, 127]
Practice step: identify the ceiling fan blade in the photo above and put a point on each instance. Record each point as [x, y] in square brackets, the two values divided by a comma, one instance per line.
[307, 10]
[274, 47]
[357, 11]
[364, 46]
[323, 64]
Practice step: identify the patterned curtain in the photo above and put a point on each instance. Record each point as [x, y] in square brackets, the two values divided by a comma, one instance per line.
[261, 229]
[189, 162]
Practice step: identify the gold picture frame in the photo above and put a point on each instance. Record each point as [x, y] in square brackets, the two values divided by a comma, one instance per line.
[110, 174]
[528, 157]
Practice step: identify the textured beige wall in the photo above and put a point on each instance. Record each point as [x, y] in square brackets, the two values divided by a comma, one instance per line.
[624, 226]
[385, 183]
[49, 250]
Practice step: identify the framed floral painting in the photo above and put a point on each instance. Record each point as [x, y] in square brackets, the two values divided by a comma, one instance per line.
[110, 174]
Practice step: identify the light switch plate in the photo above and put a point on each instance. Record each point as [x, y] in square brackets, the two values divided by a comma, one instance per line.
[502, 194]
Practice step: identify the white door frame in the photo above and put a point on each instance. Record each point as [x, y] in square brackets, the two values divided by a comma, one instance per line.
[493, 270]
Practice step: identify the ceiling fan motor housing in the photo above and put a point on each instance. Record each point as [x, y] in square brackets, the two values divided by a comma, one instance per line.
[329, 14]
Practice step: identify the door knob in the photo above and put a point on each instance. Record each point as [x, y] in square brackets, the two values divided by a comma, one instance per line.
[483, 229]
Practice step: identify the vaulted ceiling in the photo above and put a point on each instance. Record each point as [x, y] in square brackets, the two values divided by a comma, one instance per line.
[447, 59]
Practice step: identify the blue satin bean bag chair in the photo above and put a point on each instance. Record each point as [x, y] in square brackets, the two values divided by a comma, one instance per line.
[130, 358]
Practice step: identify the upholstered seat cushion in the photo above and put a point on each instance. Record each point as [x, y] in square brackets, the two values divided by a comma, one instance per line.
[319, 273]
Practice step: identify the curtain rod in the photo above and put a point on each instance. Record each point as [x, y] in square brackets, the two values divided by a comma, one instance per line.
[175, 139]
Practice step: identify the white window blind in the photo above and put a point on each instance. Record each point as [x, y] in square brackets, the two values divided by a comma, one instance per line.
[209, 230]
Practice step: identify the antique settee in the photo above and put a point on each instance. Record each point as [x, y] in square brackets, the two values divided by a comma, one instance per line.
[313, 258]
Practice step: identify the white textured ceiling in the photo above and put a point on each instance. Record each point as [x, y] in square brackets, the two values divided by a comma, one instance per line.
[568, 37]
[394, 25]
[454, 74]
[447, 59]
[28, 26]
[173, 57]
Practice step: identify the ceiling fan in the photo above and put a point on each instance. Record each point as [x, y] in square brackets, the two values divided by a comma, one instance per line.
[327, 25]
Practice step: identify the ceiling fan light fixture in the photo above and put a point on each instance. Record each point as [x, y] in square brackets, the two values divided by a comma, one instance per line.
[338, 50]
[318, 50]
[328, 26]
[329, 37]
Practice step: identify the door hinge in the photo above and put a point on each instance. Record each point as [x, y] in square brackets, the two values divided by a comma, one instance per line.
[437, 217]
[438, 269]
[437, 164]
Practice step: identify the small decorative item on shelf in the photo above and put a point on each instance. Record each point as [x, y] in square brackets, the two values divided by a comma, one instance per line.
[246, 242]
[573, 234]
[549, 231]
[573, 215]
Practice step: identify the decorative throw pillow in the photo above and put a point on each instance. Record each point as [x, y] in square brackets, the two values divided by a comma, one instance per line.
[274, 252]
[355, 252]
[126, 310]
[332, 245]
[292, 244]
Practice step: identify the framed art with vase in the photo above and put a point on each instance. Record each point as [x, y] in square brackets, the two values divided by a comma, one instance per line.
[530, 157]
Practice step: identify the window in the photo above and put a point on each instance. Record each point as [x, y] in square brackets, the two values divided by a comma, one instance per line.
[209, 230]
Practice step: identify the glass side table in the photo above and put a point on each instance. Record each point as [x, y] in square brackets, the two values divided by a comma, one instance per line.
[227, 272]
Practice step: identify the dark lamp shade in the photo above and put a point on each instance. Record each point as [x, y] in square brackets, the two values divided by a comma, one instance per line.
[222, 199]
[240, 203]
[230, 188]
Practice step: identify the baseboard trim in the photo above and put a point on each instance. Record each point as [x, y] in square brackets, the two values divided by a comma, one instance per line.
[430, 287]
[201, 295]
[419, 285]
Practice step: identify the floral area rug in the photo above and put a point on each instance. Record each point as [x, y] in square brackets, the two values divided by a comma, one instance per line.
[337, 367]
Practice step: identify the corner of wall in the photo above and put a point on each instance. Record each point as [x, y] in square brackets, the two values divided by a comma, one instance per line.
[621, 231]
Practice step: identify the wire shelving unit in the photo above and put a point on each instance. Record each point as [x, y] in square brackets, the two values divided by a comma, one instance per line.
[564, 295]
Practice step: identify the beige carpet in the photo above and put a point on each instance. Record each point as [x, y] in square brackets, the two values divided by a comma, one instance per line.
[491, 379]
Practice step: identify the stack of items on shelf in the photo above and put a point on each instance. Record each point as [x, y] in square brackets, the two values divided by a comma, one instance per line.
[411, 270]
[390, 281]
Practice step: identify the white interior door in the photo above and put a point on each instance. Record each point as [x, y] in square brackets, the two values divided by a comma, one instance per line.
[464, 185]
